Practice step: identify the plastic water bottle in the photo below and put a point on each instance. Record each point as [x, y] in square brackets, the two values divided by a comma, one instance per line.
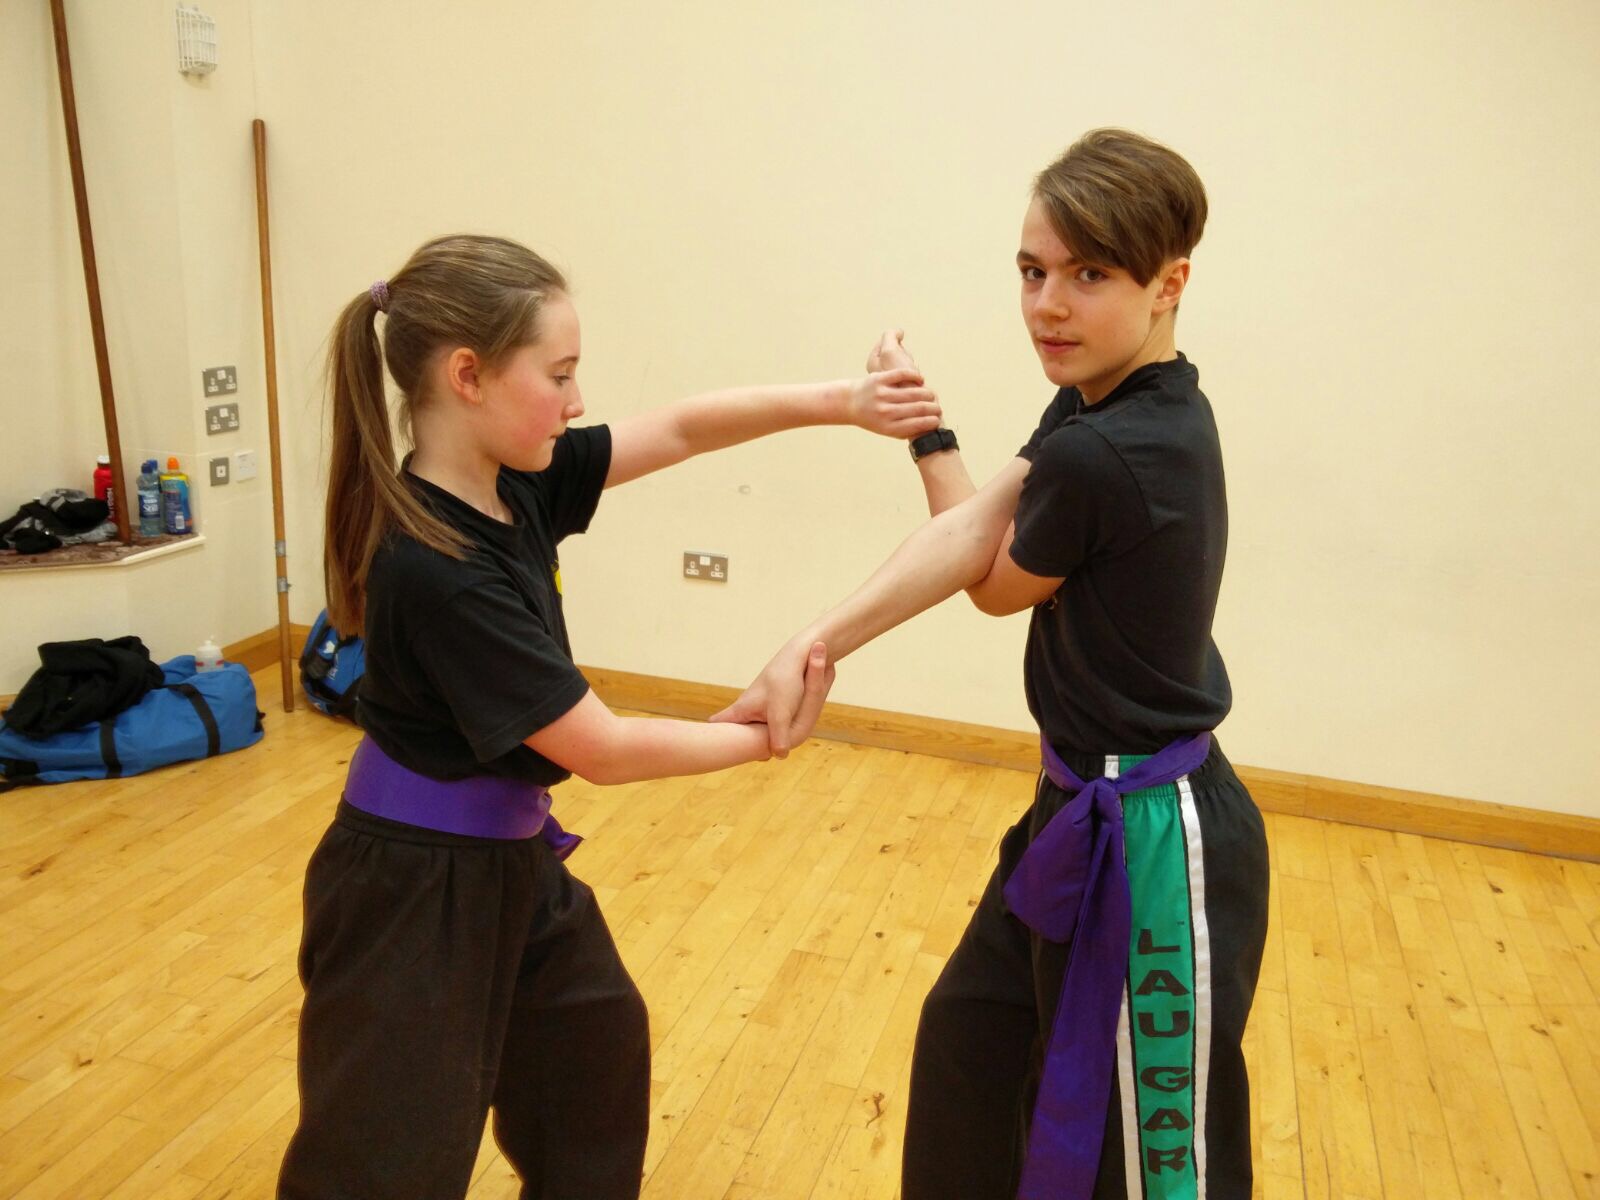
[175, 513]
[149, 500]
[209, 656]
[104, 487]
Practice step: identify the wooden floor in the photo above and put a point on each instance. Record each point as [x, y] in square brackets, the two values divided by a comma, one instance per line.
[1427, 1024]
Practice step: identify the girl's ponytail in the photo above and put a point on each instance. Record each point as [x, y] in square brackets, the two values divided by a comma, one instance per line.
[366, 496]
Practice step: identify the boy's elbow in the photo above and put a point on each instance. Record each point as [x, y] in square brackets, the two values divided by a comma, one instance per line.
[985, 601]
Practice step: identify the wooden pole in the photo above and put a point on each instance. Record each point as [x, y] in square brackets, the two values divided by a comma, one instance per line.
[286, 656]
[91, 275]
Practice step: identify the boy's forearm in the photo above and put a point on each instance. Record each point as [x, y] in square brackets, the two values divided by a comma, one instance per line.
[951, 552]
[945, 480]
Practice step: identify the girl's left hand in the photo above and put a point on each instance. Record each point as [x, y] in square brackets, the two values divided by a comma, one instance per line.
[895, 403]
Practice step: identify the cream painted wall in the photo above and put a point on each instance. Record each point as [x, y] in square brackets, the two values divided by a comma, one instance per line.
[169, 170]
[1390, 312]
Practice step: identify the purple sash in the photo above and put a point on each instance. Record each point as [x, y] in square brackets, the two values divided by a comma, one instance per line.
[1075, 877]
[489, 806]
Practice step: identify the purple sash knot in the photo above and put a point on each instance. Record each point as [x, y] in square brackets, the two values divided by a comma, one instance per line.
[1074, 877]
[491, 806]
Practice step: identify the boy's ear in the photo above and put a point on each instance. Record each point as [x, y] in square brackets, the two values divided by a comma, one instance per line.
[1174, 278]
[461, 373]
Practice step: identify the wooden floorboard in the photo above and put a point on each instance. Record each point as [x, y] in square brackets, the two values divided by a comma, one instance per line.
[1427, 1024]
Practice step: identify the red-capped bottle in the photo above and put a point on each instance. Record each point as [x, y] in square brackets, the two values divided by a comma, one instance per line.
[104, 489]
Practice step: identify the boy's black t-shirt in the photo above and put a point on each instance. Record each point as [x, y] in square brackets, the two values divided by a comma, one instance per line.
[467, 658]
[1125, 499]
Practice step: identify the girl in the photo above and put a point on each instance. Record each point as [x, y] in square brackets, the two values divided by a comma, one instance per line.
[452, 964]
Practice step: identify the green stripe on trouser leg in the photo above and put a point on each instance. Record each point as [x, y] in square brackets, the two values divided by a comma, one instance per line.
[1161, 993]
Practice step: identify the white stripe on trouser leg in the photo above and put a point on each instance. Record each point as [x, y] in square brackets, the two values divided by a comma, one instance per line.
[1133, 1164]
[1202, 976]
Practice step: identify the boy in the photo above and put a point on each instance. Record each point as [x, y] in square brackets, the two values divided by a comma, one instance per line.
[1084, 1039]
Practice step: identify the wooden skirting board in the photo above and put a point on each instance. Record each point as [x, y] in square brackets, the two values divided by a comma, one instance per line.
[262, 649]
[1476, 821]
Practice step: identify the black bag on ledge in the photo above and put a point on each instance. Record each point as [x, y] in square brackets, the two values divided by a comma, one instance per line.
[63, 517]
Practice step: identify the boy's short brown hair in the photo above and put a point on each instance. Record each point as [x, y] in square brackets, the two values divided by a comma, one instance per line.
[1118, 199]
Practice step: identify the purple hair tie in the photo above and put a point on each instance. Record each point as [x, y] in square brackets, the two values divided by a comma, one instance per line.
[380, 295]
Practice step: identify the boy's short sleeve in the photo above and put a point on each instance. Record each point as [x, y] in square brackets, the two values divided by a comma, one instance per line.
[498, 669]
[1078, 499]
[1062, 406]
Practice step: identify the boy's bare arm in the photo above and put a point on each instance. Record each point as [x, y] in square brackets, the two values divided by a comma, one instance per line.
[944, 475]
[1007, 588]
[954, 550]
[945, 480]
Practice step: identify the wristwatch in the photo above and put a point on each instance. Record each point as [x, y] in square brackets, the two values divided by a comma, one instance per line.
[933, 442]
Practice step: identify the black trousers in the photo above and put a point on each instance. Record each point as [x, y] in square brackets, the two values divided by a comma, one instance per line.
[987, 1019]
[446, 977]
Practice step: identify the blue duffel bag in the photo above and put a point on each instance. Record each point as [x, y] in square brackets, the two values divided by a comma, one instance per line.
[332, 665]
[192, 715]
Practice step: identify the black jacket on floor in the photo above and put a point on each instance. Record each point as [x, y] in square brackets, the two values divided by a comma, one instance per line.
[78, 683]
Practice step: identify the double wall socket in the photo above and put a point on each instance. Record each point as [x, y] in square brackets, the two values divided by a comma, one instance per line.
[705, 566]
[222, 418]
[219, 381]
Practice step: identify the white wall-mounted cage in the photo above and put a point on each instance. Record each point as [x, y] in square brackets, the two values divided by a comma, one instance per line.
[197, 41]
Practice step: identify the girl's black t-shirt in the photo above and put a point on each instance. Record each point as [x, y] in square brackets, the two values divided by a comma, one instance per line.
[466, 658]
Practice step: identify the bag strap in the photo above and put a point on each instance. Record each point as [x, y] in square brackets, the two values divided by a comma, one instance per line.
[313, 640]
[319, 634]
[14, 772]
[213, 735]
[108, 748]
[340, 704]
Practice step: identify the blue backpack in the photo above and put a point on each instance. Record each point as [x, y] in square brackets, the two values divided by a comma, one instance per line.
[331, 666]
[192, 715]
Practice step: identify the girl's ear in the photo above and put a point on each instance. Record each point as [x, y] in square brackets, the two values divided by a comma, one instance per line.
[462, 369]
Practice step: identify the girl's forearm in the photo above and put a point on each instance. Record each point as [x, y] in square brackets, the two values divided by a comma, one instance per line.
[655, 748]
[716, 420]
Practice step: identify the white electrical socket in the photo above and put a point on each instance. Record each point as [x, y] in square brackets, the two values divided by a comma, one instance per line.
[244, 465]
